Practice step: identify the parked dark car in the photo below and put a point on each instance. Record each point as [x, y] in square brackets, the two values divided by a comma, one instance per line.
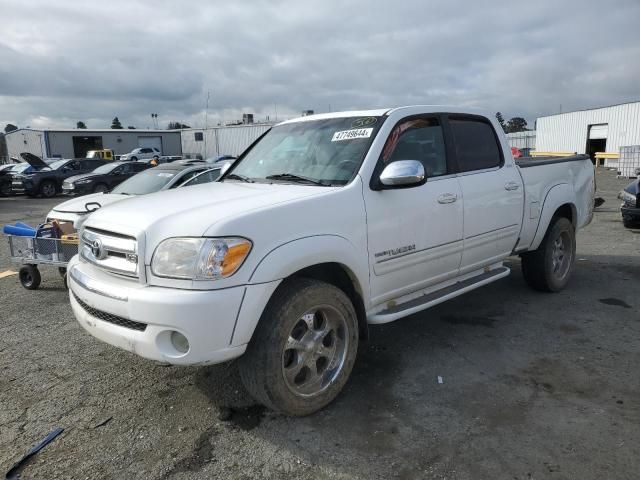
[47, 181]
[103, 178]
[8, 171]
[630, 209]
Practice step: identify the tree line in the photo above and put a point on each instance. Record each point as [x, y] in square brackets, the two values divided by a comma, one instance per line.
[115, 124]
[513, 125]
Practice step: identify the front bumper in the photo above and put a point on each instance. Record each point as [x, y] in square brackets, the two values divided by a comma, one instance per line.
[140, 318]
[77, 189]
[632, 213]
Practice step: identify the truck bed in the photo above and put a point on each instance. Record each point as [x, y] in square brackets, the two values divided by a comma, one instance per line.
[570, 178]
[526, 162]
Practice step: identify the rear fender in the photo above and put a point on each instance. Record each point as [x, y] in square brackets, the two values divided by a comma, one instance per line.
[556, 197]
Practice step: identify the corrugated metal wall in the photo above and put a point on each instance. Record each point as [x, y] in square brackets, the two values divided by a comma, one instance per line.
[25, 140]
[523, 140]
[567, 132]
[220, 140]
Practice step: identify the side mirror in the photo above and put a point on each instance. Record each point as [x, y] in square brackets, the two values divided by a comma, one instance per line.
[402, 173]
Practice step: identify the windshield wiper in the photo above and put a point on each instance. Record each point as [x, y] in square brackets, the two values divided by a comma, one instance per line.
[297, 178]
[236, 176]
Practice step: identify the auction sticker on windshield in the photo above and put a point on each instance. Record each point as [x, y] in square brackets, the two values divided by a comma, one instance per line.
[351, 134]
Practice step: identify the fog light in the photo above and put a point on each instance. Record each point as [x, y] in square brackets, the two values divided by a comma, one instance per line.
[179, 342]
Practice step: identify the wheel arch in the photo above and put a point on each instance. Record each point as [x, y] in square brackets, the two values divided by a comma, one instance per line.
[559, 202]
[328, 258]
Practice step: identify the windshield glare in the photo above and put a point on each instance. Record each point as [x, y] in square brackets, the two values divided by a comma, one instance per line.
[329, 150]
[57, 164]
[106, 168]
[145, 182]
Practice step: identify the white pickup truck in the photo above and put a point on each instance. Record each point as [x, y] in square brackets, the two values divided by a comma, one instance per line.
[325, 224]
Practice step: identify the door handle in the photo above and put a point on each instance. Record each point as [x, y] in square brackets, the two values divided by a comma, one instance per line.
[447, 198]
[511, 186]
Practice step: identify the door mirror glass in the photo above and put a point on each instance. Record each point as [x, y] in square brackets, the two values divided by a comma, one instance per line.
[402, 173]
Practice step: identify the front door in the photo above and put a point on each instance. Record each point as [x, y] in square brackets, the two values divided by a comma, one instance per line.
[492, 191]
[414, 233]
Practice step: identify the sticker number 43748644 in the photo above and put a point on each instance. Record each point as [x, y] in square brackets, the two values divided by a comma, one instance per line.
[351, 134]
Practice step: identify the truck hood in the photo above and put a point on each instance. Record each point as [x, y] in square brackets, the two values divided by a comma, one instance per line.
[192, 211]
[77, 205]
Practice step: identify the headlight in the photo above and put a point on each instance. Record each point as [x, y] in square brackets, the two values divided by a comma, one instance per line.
[627, 197]
[200, 258]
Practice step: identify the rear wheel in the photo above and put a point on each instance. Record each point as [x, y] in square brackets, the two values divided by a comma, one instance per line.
[48, 189]
[549, 267]
[29, 276]
[5, 189]
[304, 348]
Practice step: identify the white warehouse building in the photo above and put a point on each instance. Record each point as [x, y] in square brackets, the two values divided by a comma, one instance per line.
[608, 129]
[217, 141]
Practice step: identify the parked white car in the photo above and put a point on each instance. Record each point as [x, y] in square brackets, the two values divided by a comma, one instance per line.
[163, 177]
[142, 153]
[328, 223]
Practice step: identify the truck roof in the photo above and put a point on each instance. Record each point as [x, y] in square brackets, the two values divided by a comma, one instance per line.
[386, 111]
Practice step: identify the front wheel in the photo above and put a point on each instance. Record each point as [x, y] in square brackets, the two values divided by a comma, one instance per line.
[133, 159]
[549, 267]
[48, 189]
[304, 348]
[100, 188]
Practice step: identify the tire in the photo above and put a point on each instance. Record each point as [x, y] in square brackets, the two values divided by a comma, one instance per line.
[5, 189]
[100, 188]
[29, 276]
[307, 324]
[48, 189]
[133, 159]
[548, 268]
[156, 157]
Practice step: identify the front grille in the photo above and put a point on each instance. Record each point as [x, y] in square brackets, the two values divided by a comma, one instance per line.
[111, 318]
[114, 252]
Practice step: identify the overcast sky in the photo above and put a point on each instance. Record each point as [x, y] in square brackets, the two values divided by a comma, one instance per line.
[65, 61]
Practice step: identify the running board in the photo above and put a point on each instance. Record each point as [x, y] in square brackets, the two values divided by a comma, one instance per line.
[434, 298]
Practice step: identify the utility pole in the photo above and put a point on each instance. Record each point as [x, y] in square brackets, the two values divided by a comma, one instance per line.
[206, 124]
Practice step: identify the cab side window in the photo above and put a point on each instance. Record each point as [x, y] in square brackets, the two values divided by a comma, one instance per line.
[418, 139]
[476, 144]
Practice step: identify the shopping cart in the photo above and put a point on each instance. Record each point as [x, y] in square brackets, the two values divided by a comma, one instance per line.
[30, 252]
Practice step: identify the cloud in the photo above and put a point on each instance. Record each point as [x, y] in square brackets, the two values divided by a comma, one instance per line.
[66, 61]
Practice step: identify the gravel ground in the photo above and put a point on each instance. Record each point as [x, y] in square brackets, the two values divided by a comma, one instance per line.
[534, 386]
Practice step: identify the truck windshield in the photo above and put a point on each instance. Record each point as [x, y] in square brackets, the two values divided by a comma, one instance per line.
[145, 182]
[323, 152]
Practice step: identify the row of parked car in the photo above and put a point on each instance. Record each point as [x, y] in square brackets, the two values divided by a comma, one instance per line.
[47, 178]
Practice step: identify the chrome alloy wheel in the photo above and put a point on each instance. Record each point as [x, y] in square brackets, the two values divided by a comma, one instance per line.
[315, 351]
[561, 255]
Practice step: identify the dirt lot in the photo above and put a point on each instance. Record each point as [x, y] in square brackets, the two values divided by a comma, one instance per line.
[534, 386]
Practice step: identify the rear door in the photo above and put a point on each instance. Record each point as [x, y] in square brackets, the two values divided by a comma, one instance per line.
[492, 192]
[414, 233]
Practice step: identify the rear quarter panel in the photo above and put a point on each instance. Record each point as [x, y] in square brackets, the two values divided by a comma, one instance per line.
[548, 187]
